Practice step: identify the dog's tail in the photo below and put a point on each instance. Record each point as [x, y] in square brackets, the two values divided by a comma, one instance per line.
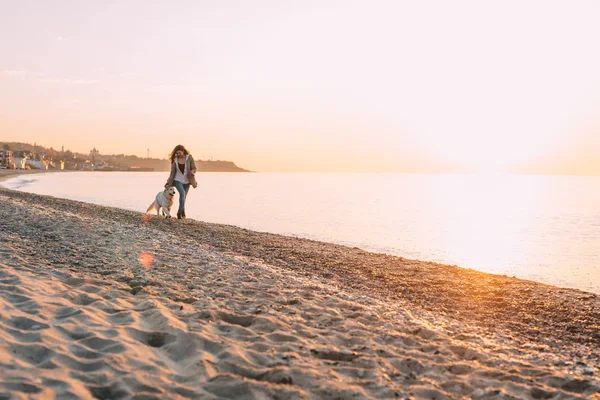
[151, 207]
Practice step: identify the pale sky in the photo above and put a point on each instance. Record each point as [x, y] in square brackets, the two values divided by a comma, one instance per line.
[276, 85]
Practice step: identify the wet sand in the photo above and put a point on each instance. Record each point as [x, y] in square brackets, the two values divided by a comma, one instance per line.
[99, 302]
[12, 173]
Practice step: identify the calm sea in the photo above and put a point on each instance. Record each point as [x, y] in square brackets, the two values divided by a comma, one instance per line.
[544, 228]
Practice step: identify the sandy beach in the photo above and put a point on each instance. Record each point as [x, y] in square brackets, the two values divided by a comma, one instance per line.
[105, 303]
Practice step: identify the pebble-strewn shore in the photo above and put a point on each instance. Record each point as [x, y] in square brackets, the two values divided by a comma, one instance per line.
[98, 302]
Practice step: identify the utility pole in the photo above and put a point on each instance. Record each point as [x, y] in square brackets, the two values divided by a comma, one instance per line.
[148, 153]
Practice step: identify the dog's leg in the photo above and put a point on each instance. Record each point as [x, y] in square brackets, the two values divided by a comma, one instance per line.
[167, 211]
[163, 211]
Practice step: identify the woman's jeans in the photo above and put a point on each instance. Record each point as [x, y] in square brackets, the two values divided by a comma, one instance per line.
[183, 189]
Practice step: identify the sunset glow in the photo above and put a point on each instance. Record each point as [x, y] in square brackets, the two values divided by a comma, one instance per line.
[385, 86]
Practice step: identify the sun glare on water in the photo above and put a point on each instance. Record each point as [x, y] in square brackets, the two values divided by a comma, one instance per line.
[491, 211]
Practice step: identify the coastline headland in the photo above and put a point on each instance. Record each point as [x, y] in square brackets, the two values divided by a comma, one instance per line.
[108, 303]
[25, 155]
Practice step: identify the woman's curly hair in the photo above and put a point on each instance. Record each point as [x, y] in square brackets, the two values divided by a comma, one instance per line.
[176, 149]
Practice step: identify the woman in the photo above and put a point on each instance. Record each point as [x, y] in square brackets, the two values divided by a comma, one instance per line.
[183, 174]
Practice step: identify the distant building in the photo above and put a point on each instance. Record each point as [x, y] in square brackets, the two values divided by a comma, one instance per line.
[36, 164]
[6, 160]
[102, 166]
[20, 162]
[60, 165]
[23, 154]
[93, 154]
[69, 164]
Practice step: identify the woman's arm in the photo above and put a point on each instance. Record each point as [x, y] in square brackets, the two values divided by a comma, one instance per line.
[192, 166]
[171, 179]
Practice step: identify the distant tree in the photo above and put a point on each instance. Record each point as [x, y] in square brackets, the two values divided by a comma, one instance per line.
[6, 147]
[52, 154]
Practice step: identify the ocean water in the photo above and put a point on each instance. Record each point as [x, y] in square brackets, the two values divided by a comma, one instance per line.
[543, 228]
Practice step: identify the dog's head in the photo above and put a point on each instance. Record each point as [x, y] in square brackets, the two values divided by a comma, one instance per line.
[170, 191]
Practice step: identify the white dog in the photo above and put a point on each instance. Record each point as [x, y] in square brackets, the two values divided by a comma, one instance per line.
[164, 201]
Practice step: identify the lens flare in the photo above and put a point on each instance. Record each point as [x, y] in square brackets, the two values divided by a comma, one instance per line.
[146, 259]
